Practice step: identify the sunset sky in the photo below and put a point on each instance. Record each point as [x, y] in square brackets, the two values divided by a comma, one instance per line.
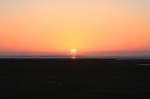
[89, 26]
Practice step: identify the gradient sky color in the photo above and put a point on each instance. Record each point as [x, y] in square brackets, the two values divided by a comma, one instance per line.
[90, 26]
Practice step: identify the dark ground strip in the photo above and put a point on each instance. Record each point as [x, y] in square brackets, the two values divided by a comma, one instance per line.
[92, 78]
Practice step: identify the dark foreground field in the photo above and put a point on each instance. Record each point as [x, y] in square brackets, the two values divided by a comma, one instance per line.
[73, 79]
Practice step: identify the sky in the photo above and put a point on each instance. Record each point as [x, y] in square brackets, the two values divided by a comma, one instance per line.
[89, 26]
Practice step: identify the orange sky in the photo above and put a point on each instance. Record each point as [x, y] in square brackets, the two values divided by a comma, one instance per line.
[86, 26]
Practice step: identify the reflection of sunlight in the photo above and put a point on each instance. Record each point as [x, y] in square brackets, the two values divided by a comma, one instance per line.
[73, 57]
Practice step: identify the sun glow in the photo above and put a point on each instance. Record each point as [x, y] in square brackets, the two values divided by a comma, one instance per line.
[73, 53]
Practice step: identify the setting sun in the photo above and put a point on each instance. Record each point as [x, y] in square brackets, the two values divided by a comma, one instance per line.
[73, 51]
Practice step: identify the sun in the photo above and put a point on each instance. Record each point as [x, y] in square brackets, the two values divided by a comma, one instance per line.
[73, 51]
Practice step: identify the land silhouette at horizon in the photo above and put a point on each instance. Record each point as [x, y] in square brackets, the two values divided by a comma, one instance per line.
[95, 78]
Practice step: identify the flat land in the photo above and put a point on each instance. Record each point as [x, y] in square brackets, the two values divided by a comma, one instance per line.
[74, 78]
